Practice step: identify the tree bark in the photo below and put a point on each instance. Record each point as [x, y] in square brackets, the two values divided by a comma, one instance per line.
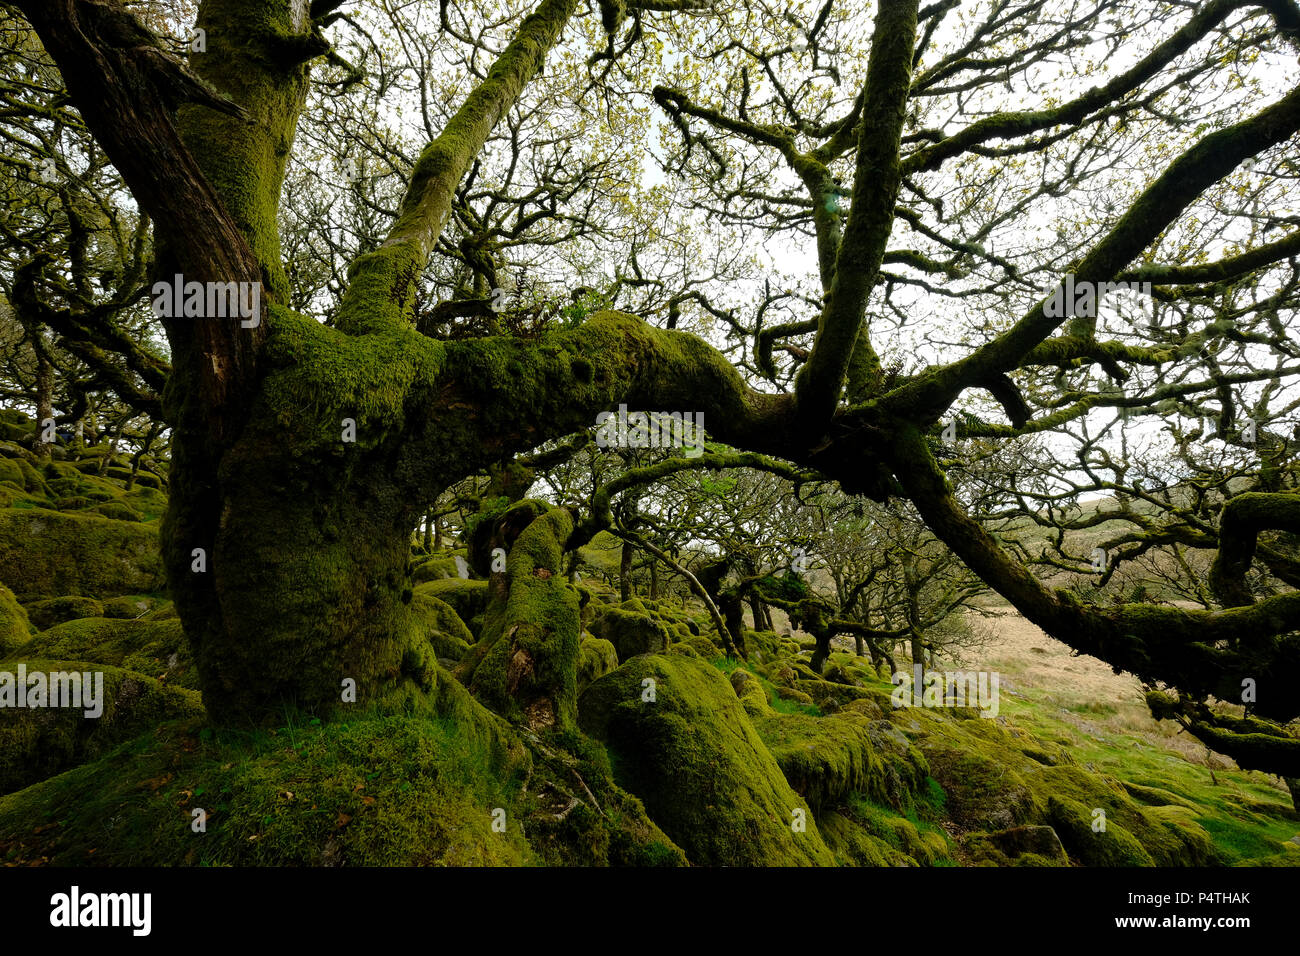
[625, 589]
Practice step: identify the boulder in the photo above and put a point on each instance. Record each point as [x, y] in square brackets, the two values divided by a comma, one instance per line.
[680, 740]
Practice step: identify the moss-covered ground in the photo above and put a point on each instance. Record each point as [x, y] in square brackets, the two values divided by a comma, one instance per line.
[609, 733]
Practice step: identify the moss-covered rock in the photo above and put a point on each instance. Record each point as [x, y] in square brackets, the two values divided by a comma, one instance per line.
[1084, 836]
[763, 646]
[1018, 846]
[596, 658]
[52, 611]
[15, 426]
[384, 790]
[19, 473]
[437, 567]
[442, 626]
[753, 696]
[680, 740]
[467, 597]
[703, 647]
[36, 743]
[157, 649]
[130, 606]
[827, 758]
[117, 510]
[854, 845]
[631, 630]
[907, 839]
[15, 629]
[984, 792]
[48, 553]
[578, 816]
[11, 474]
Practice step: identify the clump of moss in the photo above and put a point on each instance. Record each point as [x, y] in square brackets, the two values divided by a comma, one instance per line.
[680, 740]
[826, 758]
[913, 841]
[577, 816]
[117, 510]
[996, 779]
[854, 845]
[129, 606]
[379, 790]
[752, 695]
[438, 567]
[1080, 831]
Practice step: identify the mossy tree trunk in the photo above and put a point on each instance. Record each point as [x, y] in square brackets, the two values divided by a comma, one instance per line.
[627, 555]
[44, 399]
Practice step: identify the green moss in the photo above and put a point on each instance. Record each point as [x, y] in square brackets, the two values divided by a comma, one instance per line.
[631, 630]
[1076, 825]
[467, 597]
[47, 613]
[437, 568]
[916, 842]
[38, 743]
[854, 845]
[129, 606]
[47, 553]
[20, 473]
[577, 816]
[826, 758]
[12, 474]
[764, 646]
[117, 510]
[752, 695]
[443, 627]
[596, 658]
[1019, 846]
[781, 699]
[528, 666]
[157, 649]
[695, 760]
[392, 790]
[15, 629]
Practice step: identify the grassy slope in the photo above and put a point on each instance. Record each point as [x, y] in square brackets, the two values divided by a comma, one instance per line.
[1101, 718]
